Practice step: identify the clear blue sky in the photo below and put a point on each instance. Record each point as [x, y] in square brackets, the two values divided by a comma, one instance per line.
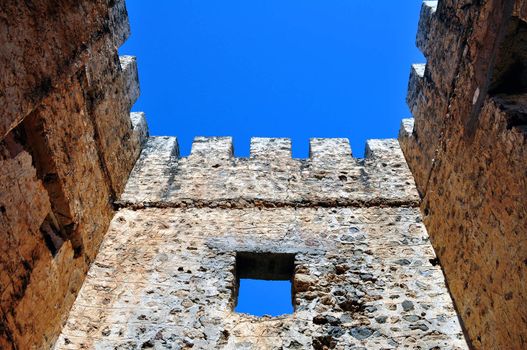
[273, 68]
[276, 68]
[257, 297]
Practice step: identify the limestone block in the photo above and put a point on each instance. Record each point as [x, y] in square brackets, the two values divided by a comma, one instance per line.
[130, 78]
[211, 148]
[428, 10]
[337, 148]
[266, 148]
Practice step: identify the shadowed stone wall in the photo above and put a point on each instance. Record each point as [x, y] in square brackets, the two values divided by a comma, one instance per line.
[67, 146]
[467, 150]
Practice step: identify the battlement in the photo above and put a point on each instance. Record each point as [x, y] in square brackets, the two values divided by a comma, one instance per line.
[415, 86]
[428, 10]
[130, 77]
[277, 148]
[212, 175]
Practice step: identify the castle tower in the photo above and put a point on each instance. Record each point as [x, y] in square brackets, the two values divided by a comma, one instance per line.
[347, 232]
[111, 240]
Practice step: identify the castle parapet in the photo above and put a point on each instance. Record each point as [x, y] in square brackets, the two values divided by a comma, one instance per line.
[270, 177]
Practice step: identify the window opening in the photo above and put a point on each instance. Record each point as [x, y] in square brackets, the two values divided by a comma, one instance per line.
[264, 283]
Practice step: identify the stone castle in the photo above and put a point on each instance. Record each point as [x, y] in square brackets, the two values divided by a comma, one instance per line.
[111, 240]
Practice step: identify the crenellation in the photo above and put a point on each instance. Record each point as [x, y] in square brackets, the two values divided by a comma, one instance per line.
[140, 129]
[270, 148]
[119, 24]
[151, 174]
[406, 130]
[217, 148]
[440, 34]
[416, 85]
[384, 149]
[423, 40]
[130, 77]
[329, 149]
[333, 177]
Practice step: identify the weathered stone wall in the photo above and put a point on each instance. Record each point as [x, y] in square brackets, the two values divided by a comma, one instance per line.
[466, 147]
[67, 145]
[365, 274]
[212, 176]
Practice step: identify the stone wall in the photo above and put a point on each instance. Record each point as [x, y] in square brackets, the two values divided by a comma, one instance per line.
[67, 146]
[466, 147]
[364, 274]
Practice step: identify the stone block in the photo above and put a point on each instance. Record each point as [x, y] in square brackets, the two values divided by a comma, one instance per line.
[270, 148]
[212, 149]
[119, 24]
[130, 78]
[428, 10]
[334, 149]
[151, 176]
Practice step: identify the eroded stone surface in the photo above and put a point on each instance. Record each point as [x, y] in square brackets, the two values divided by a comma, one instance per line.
[467, 151]
[365, 273]
[364, 278]
[67, 146]
[41, 46]
[212, 176]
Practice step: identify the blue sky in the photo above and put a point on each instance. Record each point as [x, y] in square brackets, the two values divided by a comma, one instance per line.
[259, 297]
[274, 68]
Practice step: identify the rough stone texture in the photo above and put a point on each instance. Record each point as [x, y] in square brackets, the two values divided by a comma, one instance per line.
[67, 146]
[140, 130]
[331, 177]
[43, 43]
[365, 274]
[467, 152]
[24, 206]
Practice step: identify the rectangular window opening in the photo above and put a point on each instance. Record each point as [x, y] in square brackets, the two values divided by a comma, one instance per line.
[264, 283]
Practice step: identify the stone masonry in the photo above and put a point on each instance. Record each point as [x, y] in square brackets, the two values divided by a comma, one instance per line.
[467, 150]
[111, 240]
[365, 275]
[67, 146]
